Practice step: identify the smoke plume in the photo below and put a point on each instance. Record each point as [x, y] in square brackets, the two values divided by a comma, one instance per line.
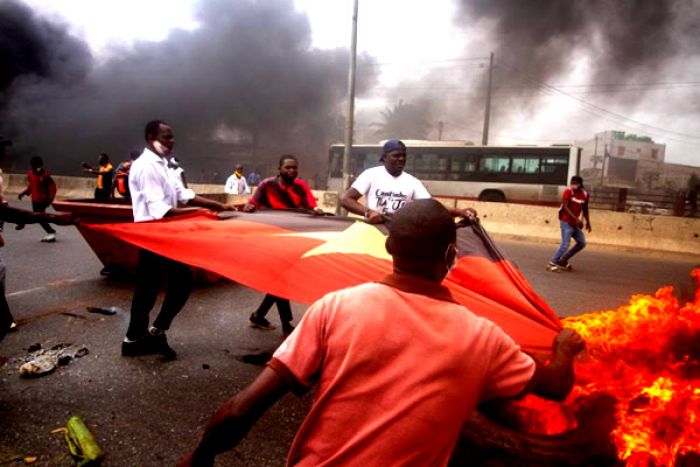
[245, 82]
[632, 40]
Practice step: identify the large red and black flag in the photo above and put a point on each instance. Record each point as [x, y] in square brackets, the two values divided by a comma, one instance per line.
[302, 257]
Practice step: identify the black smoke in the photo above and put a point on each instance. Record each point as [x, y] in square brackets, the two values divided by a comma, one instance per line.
[34, 49]
[536, 41]
[248, 70]
[538, 45]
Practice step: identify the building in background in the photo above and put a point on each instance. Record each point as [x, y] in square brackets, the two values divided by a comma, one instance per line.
[623, 160]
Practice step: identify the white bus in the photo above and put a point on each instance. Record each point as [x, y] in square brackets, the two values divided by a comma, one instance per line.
[514, 174]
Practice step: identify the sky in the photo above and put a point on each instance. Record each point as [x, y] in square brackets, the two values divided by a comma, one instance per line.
[412, 41]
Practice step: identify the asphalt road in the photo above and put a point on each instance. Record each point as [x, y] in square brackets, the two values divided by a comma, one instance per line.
[147, 412]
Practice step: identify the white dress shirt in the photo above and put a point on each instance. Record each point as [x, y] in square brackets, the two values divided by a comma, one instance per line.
[236, 186]
[154, 187]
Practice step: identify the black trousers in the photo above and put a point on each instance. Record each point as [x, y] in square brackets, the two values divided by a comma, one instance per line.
[6, 318]
[102, 193]
[41, 207]
[152, 270]
[283, 307]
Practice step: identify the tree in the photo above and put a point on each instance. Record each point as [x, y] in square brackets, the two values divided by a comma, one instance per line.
[403, 121]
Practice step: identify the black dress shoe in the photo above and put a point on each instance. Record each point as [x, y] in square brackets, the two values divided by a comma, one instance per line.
[142, 346]
[160, 345]
[149, 345]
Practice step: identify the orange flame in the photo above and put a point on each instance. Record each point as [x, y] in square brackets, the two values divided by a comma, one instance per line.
[647, 355]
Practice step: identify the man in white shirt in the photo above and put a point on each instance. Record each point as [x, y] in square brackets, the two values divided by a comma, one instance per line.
[387, 188]
[156, 192]
[236, 184]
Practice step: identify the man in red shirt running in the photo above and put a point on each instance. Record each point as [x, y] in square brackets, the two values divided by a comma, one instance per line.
[398, 364]
[574, 203]
[285, 191]
[42, 189]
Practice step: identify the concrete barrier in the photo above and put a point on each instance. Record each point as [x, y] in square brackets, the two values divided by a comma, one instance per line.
[619, 229]
[84, 187]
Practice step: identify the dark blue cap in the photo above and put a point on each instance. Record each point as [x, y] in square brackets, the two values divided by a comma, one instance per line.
[394, 145]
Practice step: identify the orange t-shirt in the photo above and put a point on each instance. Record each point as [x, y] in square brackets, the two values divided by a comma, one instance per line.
[399, 367]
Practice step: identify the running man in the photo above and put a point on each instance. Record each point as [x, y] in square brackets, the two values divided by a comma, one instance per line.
[574, 203]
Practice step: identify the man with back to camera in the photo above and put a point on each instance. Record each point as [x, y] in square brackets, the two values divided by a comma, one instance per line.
[285, 191]
[398, 397]
[156, 193]
[574, 203]
[387, 188]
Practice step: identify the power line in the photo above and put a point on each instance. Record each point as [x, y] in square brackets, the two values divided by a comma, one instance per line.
[597, 110]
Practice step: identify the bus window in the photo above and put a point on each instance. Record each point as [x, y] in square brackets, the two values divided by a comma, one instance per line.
[495, 164]
[361, 162]
[554, 170]
[336, 164]
[462, 166]
[526, 165]
[430, 166]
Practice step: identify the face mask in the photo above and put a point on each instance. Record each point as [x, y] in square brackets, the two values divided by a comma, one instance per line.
[161, 150]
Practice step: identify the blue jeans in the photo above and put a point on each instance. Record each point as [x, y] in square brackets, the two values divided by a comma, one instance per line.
[567, 232]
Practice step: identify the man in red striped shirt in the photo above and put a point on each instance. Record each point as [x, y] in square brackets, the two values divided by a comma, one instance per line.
[285, 191]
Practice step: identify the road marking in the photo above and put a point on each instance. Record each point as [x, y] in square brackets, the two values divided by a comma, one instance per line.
[50, 285]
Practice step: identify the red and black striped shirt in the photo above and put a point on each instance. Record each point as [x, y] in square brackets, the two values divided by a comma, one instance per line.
[272, 193]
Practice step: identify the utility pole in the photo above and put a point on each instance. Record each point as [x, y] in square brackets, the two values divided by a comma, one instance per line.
[440, 127]
[595, 153]
[602, 169]
[487, 111]
[350, 116]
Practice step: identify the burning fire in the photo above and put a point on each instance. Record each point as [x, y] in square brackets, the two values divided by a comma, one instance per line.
[647, 356]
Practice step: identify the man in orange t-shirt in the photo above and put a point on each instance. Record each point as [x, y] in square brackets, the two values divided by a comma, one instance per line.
[399, 365]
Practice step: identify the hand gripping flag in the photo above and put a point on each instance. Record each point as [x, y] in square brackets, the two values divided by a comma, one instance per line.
[303, 257]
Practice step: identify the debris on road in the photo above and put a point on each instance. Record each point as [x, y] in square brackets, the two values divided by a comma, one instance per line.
[43, 362]
[109, 311]
[81, 442]
[17, 459]
[259, 359]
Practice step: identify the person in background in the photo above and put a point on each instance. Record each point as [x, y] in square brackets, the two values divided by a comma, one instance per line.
[178, 171]
[398, 364]
[19, 217]
[253, 179]
[120, 183]
[574, 203]
[42, 190]
[157, 193]
[105, 173]
[285, 191]
[387, 188]
[236, 184]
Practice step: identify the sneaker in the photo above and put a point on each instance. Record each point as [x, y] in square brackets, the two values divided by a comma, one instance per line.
[13, 327]
[49, 238]
[551, 267]
[287, 329]
[564, 265]
[260, 322]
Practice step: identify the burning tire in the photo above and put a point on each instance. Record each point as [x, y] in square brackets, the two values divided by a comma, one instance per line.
[493, 438]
